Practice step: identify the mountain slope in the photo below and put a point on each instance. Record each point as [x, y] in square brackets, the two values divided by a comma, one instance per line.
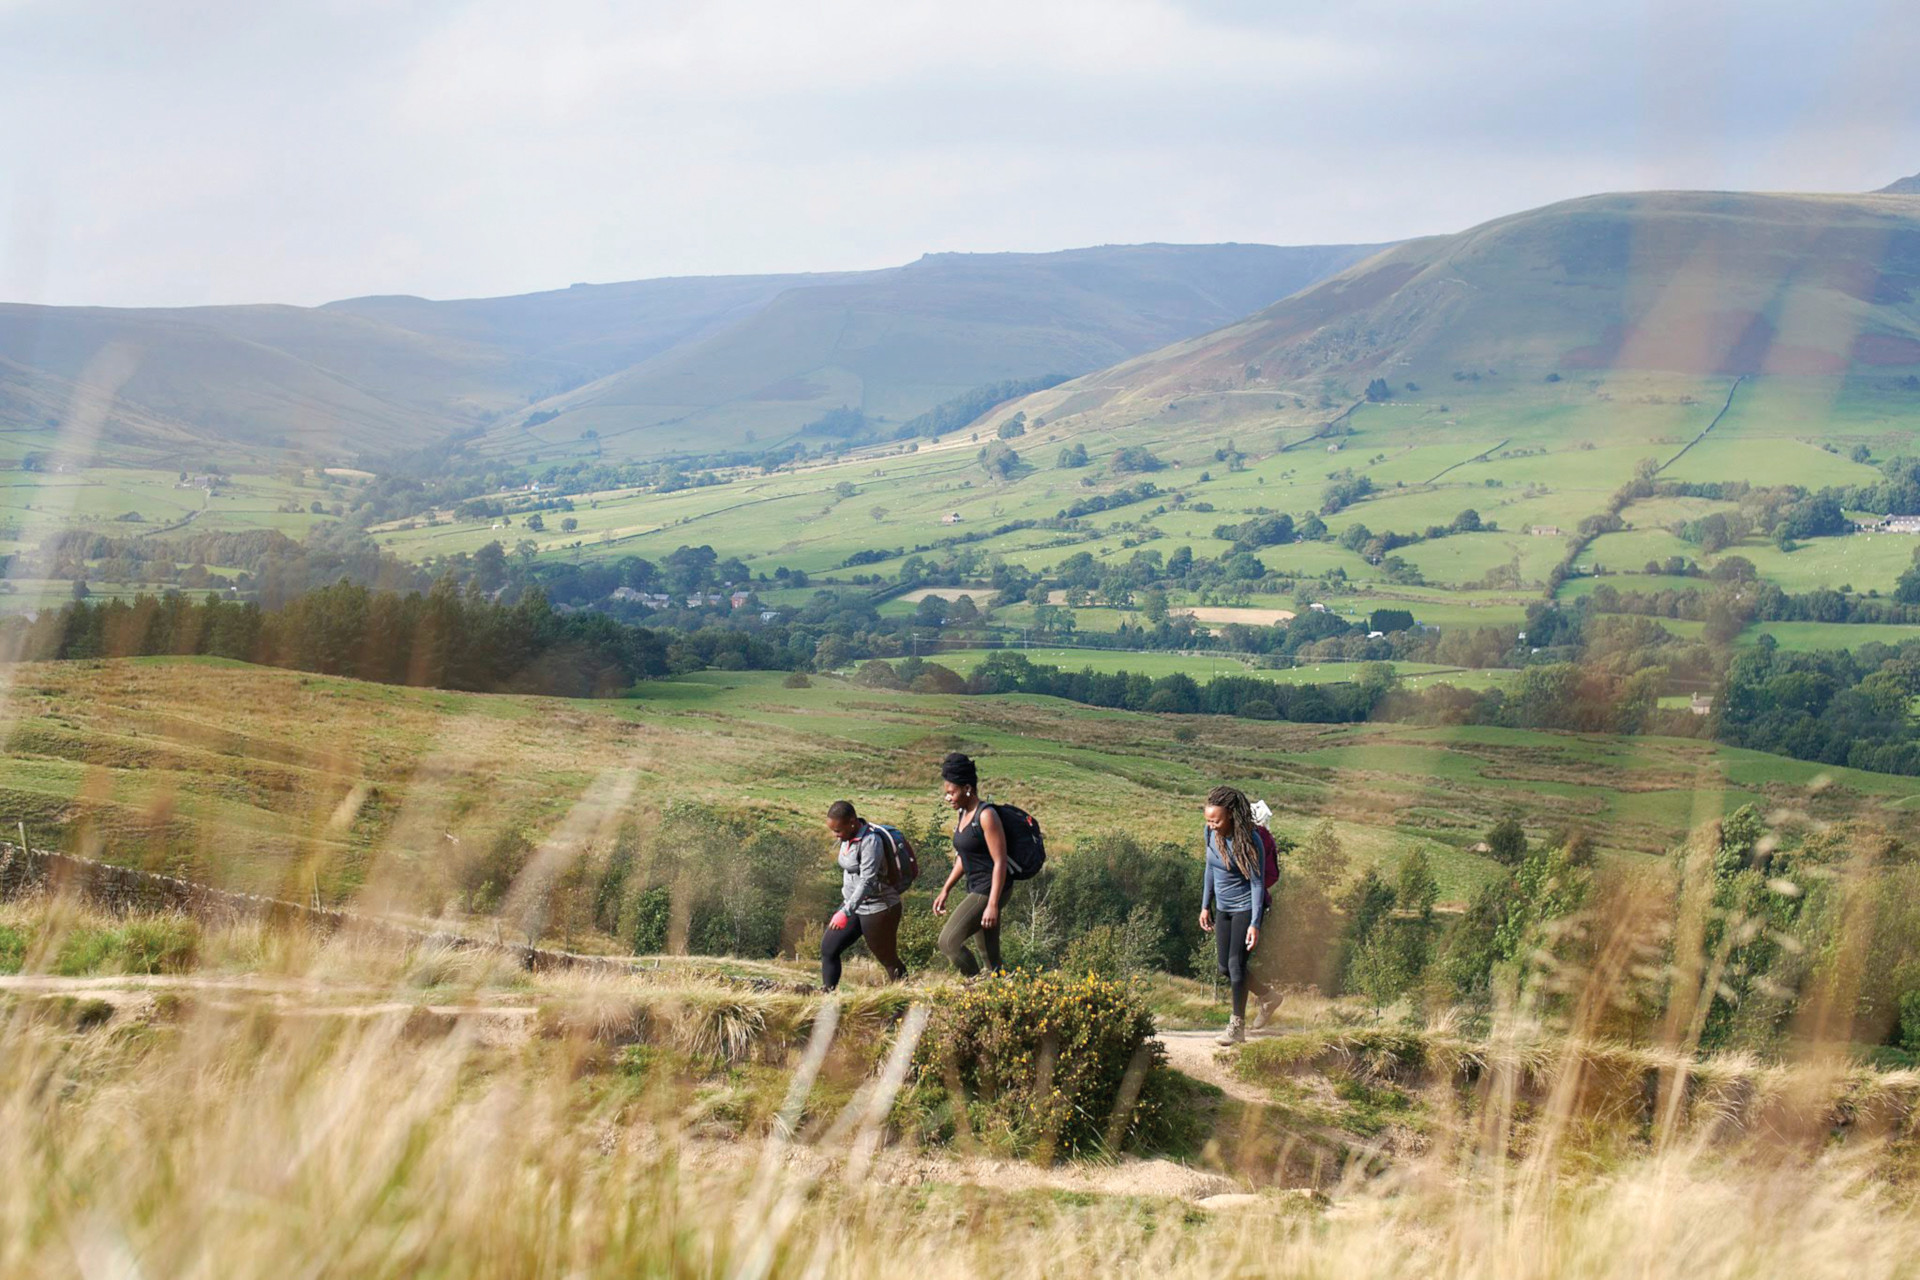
[894, 343]
[743, 354]
[1687, 283]
[1909, 186]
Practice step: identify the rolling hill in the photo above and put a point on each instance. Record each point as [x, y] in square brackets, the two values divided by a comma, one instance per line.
[897, 342]
[655, 365]
[1691, 284]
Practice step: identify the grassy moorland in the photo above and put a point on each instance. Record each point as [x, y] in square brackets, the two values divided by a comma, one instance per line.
[215, 1099]
[278, 780]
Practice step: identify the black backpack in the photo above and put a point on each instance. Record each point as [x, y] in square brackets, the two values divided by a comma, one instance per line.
[903, 862]
[1026, 847]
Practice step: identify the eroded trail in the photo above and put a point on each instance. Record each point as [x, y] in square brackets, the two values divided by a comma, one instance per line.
[1197, 1054]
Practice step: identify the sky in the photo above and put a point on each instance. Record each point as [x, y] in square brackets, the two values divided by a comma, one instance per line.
[200, 151]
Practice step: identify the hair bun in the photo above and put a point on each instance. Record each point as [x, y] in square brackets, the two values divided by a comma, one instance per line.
[959, 769]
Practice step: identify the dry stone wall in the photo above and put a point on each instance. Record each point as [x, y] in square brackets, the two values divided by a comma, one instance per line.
[124, 890]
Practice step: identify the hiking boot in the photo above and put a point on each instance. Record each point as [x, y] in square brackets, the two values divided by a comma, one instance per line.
[1262, 1018]
[1236, 1032]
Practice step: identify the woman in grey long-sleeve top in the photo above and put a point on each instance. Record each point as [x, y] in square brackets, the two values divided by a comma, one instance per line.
[869, 897]
[1235, 885]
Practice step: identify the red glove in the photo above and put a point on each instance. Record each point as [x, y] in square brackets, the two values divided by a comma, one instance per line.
[839, 920]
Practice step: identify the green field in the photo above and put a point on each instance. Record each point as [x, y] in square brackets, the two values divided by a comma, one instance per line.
[1203, 667]
[1827, 635]
[1523, 455]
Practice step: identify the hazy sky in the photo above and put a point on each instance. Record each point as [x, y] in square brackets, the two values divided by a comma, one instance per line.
[180, 152]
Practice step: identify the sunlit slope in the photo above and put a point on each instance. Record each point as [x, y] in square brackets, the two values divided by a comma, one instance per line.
[895, 343]
[1693, 285]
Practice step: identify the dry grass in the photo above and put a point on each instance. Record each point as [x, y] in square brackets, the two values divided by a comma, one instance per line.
[679, 1122]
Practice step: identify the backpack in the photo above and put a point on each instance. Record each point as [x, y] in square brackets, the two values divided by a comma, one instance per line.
[1269, 862]
[1026, 847]
[902, 863]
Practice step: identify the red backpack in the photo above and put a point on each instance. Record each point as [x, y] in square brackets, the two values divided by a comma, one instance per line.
[1269, 862]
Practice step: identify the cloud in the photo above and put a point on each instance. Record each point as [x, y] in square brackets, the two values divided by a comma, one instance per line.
[228, 152]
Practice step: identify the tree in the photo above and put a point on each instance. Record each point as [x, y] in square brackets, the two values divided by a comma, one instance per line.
[536, 523]
[1415, 889]
[569, 524]
[1153, 606]
[1320, 859]
[1379, 390]
[999, 460]
[490, 567]
[1075, 456]
[1507, 841]
[1134, 458]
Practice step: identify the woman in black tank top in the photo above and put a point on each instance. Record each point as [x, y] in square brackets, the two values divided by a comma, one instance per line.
[979, 851]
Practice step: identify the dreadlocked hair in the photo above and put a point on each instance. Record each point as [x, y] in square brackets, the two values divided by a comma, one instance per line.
[1243, 849]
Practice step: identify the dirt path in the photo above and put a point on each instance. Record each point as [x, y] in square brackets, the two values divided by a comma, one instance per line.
[1192, 1052]
[1197, 1054]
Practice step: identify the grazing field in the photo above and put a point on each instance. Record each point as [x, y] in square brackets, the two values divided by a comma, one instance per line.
[1827, 635]
[1522, 456]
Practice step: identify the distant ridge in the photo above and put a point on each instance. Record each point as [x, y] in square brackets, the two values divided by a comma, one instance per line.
[626, 370]
[1702, 284]
[1904, 187]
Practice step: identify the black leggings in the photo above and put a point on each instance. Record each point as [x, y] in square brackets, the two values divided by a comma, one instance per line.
[962, 925]
[882, 933]
[1236, 962]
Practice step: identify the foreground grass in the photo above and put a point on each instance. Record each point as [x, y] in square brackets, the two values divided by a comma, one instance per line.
[352, 1110]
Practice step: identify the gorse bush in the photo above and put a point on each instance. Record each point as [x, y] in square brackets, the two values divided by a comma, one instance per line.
[1038, 1063]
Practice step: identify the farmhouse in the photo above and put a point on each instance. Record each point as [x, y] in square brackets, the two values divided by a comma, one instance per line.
[1902, 524]
[952, 517]
[1700, 705]
[1545, 531]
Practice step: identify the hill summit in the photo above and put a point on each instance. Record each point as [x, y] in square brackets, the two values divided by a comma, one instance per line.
[1695, 283]
[1903, 187]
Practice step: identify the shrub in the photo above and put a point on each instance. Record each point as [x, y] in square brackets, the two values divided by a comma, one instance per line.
[166, 944]
[796, 680]
[1039, 1063]
[1118, 950]
[1910, 1022]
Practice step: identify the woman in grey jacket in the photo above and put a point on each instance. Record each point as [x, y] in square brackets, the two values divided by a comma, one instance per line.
[1235, 884]
[869, 897]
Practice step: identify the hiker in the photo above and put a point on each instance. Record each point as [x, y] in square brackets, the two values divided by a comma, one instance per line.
[979, 850]
[1235, 882]
[869, 897]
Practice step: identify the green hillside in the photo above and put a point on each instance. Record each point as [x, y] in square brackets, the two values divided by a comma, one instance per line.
[893, 344]
[1696, 285]
[679, 364]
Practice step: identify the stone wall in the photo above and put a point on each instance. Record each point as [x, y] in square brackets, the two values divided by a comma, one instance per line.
[124, 890]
